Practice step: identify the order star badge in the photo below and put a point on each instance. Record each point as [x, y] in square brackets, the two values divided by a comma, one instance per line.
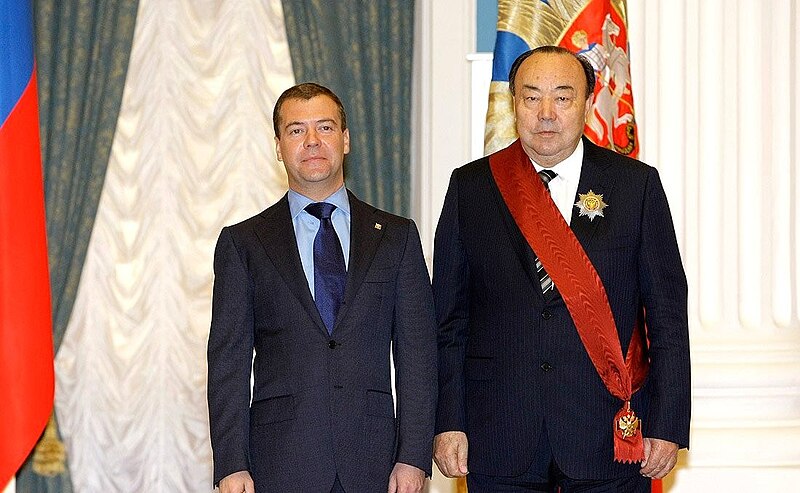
[590, 204]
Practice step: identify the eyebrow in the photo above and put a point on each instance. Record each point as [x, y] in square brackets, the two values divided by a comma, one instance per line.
[559, 88]
[324, 120]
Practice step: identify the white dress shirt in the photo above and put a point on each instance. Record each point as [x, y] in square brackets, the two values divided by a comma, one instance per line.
[564, 187]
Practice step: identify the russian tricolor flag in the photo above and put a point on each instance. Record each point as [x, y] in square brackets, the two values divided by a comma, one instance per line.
[26, 347]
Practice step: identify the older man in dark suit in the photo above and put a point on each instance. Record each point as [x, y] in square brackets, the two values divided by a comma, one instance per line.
[324, 288]
[561, 302]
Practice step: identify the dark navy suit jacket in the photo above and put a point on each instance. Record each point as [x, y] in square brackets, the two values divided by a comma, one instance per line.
[512, 366]
[322, 405]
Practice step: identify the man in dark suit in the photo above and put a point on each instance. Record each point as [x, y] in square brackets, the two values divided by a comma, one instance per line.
[553, 258]
[324, 288]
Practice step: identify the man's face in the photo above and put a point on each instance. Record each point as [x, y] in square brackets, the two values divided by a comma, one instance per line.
[550, 106]
[312, 145]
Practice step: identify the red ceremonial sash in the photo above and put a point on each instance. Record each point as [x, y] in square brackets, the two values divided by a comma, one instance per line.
[564, 259]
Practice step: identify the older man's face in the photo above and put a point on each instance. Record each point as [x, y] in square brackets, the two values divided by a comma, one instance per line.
[550, 106]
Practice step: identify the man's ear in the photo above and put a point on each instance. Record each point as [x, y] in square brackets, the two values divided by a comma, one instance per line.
[278, 148]
[347, 141]
[589, 106]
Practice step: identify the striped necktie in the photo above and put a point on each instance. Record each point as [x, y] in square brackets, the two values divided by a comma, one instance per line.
[548, 288]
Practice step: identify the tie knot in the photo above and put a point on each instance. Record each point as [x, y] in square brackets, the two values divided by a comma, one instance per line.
[320, 210]
[547, 175]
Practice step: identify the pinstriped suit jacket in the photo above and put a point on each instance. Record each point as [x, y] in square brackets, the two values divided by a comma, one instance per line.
[322, 405]
[512, 365]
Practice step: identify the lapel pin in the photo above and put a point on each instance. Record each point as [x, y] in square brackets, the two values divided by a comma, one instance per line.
[590, 204]
[378, 226]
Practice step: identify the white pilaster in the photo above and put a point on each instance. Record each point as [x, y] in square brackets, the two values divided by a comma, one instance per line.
[725, 138]
[445, 36]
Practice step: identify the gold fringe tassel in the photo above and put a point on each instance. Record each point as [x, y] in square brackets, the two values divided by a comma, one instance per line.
[50, 455]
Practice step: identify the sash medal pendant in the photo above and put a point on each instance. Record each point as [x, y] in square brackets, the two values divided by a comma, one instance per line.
[628, 441]
[628, 423]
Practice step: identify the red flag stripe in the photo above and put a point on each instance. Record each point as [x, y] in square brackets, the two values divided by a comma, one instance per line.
[26, 347]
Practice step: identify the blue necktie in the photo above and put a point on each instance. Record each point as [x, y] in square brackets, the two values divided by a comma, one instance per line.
[329, 271]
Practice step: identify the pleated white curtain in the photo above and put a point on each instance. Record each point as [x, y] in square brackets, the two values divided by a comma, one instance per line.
[193, 152]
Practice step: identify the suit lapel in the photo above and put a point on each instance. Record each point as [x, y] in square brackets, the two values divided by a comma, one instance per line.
[364, 239]
[593, 177]
[524, 252]
[276, 234]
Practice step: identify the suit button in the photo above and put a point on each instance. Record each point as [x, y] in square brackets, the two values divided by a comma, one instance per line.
[546, 314]
[546, 366]
[332, 344]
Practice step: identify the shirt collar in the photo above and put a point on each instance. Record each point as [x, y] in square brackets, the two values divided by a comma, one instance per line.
[568, 169]
[298, 201]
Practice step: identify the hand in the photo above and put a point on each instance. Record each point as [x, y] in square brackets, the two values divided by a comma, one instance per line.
[450, 453]
[238, 482]
[660, 456]
[406, 478]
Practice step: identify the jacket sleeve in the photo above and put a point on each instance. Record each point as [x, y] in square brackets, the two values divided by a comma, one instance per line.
[451, 298]
[230, 355]
[414, 352]
[664, 295]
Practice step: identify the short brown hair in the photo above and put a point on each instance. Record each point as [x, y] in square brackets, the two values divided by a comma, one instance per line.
[305, 91]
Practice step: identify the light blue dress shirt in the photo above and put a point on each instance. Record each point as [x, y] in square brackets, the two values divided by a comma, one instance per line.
[306, 227]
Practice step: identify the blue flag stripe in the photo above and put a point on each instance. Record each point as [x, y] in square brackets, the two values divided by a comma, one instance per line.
[507, 48]
[16, 53]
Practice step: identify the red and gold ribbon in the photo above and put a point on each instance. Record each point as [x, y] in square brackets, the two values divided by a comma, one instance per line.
[563, 257]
